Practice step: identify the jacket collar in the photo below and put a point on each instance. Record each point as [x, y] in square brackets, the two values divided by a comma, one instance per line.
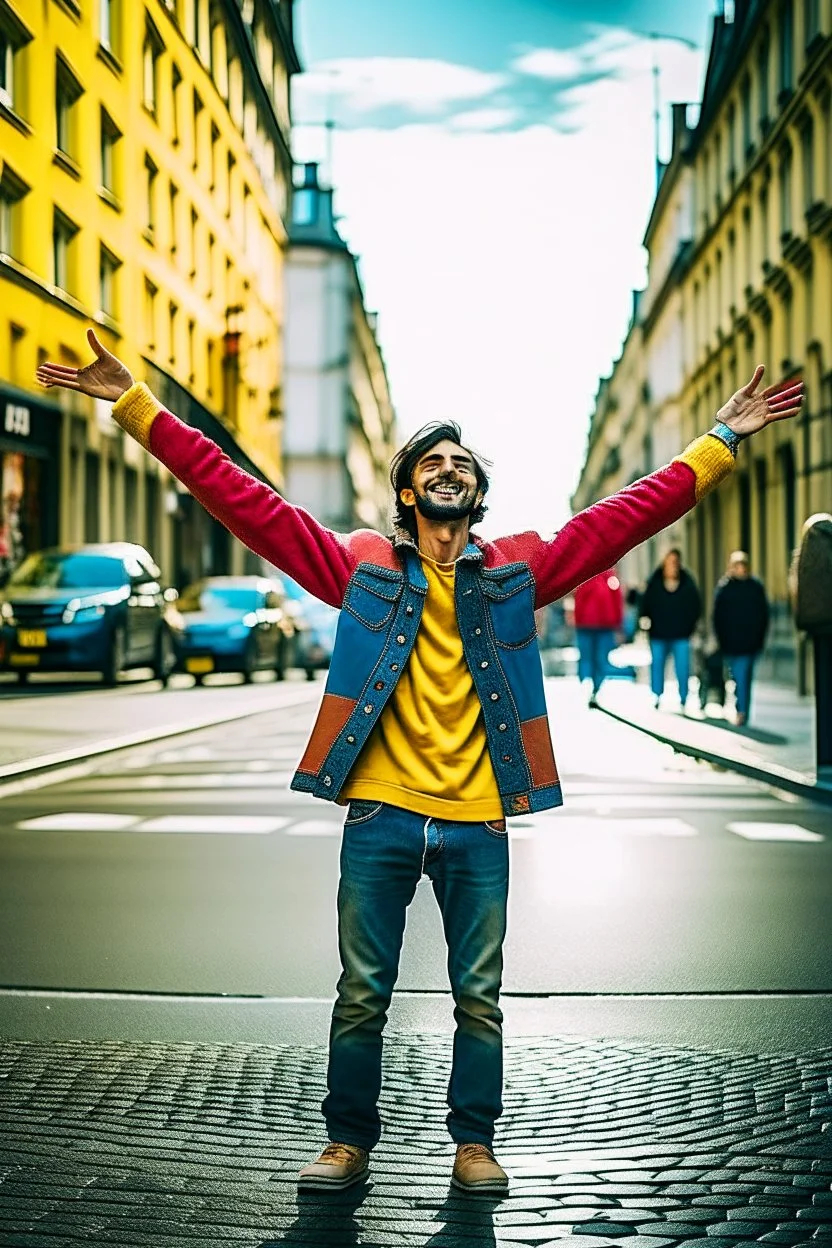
[402, 541]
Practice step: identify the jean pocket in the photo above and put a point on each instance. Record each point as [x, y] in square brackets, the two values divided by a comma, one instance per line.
[361, 811]
[496, 827]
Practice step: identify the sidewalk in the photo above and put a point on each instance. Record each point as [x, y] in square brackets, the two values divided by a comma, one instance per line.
[151, 1145]
[777, 747]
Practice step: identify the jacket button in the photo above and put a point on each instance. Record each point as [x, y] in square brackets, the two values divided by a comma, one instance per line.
[327, 781]
[502, 727]
[495, 697]
[408, 610]
[401, 639]
[484, 663]
[379, 684]
[394, 667]
[368, 709]
[477, 632]
[351, 740]
[506, 758]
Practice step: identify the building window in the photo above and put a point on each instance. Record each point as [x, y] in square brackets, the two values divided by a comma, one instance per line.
[191, 352]
[215, 138]
[762, 77]
[173, 198]
[109, 18]
[764, 240]
[13, 38]
[746, 244]
[150, 292]
[12, 192]
[210, 368]
[731, 143]
[212, 245]
[110, 135]
[173, 321]
[786, 194]
[745, 113]
[785, 33]
[229, 190]
[811, 20]
[176, 104]
[64, 233]
[194, 221]
[153, 49]
[108, 266]
[68, 91]
[151, 174]
[197, 125]
[807, 152]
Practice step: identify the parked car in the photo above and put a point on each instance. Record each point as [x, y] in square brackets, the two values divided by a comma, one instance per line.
[99, 607]
[317, 622]
[234, 624]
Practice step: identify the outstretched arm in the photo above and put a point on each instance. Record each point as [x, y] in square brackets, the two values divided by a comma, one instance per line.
[596, 538]
[285, 535]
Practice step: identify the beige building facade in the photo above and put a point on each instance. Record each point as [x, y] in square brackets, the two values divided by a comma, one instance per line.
[740, 272]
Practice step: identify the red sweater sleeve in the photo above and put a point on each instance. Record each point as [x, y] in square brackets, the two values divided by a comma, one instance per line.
[285, 535]
[598, 537]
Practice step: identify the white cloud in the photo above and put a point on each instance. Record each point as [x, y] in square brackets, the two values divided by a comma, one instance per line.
[502, 266]
[372, 83]
[550, 63]
[484, 119]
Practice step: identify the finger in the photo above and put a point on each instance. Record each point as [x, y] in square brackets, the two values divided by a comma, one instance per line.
[65, 383]
[755, 380]
[58, 370]
[783, 387]
[786, 400]
[98, 347]
[784, 415]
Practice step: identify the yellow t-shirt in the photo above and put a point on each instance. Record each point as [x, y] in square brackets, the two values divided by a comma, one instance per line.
[428, 752]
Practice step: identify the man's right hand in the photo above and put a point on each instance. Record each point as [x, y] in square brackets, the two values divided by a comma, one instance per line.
[105, 378]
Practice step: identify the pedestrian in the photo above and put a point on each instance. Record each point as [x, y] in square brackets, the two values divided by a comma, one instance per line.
[433, 723]
[672, 604]
[740, 622]
[599, 615]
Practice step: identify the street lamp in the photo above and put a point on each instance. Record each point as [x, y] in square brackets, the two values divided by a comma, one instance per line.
[654, 36]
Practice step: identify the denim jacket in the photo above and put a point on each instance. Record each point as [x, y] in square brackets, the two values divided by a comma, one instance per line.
[379, 584]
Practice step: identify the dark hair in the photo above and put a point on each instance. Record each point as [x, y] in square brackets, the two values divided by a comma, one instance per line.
[405, 460]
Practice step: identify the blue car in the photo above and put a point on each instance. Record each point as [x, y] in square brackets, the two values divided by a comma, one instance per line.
[316, 622]
[96, 608]
[233, 624]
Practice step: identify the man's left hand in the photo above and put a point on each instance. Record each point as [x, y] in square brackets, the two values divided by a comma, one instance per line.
[747, 411]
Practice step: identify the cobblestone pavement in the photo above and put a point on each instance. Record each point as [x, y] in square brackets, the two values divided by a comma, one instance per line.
[606, 1143]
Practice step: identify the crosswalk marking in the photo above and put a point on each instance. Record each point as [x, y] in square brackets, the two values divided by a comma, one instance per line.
[315, 827]
[79, 821]
[251, 824]
[774, 832]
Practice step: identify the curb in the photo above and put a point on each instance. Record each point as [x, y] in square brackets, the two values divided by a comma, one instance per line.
[771, 774]
[16, 777]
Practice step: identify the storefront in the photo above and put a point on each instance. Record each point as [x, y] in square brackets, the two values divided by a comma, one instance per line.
[29, 476]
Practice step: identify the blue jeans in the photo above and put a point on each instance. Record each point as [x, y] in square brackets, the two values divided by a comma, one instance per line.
[384, 853]
[741, 667]
[594, 646]
[659, 653]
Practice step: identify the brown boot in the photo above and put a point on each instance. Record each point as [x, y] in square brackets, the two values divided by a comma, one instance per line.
[475, 1170]
[339, 1165]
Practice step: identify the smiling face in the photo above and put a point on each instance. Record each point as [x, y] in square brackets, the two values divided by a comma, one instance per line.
[444, 483]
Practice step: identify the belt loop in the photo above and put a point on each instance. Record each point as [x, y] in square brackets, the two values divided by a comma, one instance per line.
[425, 850]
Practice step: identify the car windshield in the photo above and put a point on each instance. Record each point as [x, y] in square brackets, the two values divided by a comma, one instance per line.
[69, 571]
[218, 598]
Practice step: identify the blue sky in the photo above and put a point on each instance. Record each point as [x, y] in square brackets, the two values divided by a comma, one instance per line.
[494, 169]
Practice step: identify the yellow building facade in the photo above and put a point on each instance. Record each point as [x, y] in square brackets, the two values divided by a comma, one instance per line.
[145, 186]
[740, 272]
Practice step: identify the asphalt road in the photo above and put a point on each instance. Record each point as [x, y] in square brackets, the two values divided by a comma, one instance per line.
[187, 867]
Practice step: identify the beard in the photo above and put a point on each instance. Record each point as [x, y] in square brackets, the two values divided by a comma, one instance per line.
[459, 509]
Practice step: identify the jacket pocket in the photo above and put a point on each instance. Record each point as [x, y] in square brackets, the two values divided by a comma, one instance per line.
[509, 598]
[371, 598]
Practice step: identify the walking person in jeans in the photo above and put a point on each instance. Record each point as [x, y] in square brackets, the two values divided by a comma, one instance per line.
[433, 723]
[673, 605]
[599, 615]
[740, 622]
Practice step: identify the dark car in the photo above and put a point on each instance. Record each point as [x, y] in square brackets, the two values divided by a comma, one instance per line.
[234, 624]
[316, 622]
[96, 608]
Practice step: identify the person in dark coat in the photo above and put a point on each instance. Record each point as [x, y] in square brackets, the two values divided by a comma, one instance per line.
[740, 622]
[673, 605]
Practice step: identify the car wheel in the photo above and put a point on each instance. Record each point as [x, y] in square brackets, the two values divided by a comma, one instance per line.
[22, 678]
[165, 658]
[310, 673]
[115, 658]
[199, 680]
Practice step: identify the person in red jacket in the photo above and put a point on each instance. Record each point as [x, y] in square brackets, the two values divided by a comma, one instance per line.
[599, 615]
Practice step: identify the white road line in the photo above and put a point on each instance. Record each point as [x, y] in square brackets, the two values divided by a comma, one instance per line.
[774, 832]
[251, 824]
[314, 827]
[79, 821]
[583, 825]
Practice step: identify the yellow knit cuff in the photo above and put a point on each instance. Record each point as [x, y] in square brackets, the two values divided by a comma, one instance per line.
[710, 459]
[136, 411]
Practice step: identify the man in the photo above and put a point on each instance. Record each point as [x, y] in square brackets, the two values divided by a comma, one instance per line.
[740, 620]
[599, 615]
[433, 721]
